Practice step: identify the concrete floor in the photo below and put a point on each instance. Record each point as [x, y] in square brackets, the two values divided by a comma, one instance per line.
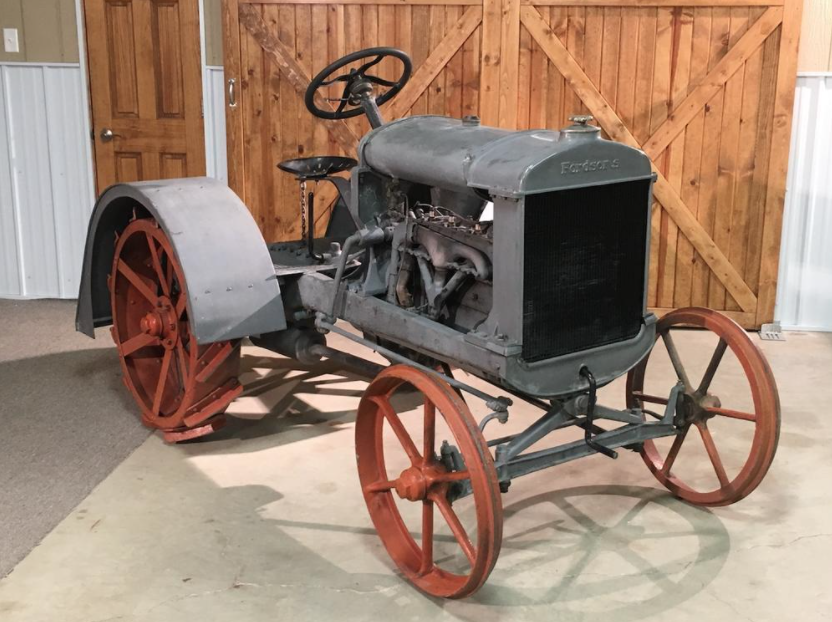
[266, 522]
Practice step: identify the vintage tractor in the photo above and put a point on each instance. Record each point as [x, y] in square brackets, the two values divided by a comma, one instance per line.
[546, 301]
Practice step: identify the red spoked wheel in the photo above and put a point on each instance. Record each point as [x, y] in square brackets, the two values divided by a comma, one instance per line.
[752, 446]
[182, 388]
[429, 481]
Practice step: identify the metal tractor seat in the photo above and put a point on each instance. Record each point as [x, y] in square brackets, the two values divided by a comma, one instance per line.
[317, 168]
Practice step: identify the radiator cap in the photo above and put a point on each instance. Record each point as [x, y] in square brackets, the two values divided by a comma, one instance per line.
[580, 125]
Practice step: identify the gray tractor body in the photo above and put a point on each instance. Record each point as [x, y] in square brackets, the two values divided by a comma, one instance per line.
[556, 283]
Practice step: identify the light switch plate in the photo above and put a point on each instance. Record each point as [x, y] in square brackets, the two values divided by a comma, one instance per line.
[10, 42]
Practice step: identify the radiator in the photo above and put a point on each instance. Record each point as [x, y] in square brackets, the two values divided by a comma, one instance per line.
[584, 268]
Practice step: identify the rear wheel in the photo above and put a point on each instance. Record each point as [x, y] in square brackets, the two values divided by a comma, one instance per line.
[182, 388]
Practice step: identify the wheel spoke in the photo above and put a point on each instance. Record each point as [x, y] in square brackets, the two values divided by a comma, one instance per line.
[380, 486]
[674, 451]
[645, 397]
[345, 97]
[716, 359]
[380, 81]
[399, 429]
[181, 305]
[344, 78]
[183, 362]
[169, 272]
[137, 281]
[160, 386]
[713, 454]
[456, 527]
[157, 265]
[430, 430]
[427, 536]
[733, 414]
[366, 66]
[676, 361]
[454, 476]
[142, 340]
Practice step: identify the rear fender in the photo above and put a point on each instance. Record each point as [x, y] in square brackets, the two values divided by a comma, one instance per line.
[231, 284]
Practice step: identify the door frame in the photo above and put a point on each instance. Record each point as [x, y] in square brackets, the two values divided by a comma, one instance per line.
[85, 94]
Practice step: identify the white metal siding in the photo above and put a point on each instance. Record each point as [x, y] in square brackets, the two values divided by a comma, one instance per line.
[46, 194]
[9, 262]
[217, 164]
[804, 292]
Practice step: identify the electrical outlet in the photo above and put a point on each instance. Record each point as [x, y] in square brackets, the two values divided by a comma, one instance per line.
[10, 43]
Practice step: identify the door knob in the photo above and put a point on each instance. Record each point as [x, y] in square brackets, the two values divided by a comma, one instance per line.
[107, 135]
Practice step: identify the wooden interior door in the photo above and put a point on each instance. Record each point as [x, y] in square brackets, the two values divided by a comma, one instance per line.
[146, 89]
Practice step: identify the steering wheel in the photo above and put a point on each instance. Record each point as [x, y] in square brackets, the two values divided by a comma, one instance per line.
[349, 104]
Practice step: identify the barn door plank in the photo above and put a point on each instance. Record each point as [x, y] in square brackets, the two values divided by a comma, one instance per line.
[742, 208]
[509, 61]
[490, 62]
[762, 152]
[695, 140]
[779, 160]
[680, 57]
[728, 151]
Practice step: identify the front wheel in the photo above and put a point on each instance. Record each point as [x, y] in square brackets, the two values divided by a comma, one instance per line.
[406, 477]
[729, 422]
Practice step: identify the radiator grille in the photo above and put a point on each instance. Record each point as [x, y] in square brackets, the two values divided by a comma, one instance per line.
[583, 271]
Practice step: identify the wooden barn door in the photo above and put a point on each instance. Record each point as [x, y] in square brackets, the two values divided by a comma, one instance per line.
[704, 87]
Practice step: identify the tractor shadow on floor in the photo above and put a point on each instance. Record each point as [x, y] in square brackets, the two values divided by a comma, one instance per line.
[631, 551]
[284, 400]
[624, 552]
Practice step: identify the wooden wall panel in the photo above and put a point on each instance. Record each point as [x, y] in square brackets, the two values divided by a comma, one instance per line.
[816, 37]
[703, 87]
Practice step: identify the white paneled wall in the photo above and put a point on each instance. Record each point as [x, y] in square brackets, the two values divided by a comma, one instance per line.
[46, 193]
[216, 162]
[804, 291]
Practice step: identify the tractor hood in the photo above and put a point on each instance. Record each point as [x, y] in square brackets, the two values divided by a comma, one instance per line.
[464, 156]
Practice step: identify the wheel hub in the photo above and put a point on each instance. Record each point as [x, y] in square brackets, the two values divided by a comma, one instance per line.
[694, 407]
[416, 482]
[162, 323]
